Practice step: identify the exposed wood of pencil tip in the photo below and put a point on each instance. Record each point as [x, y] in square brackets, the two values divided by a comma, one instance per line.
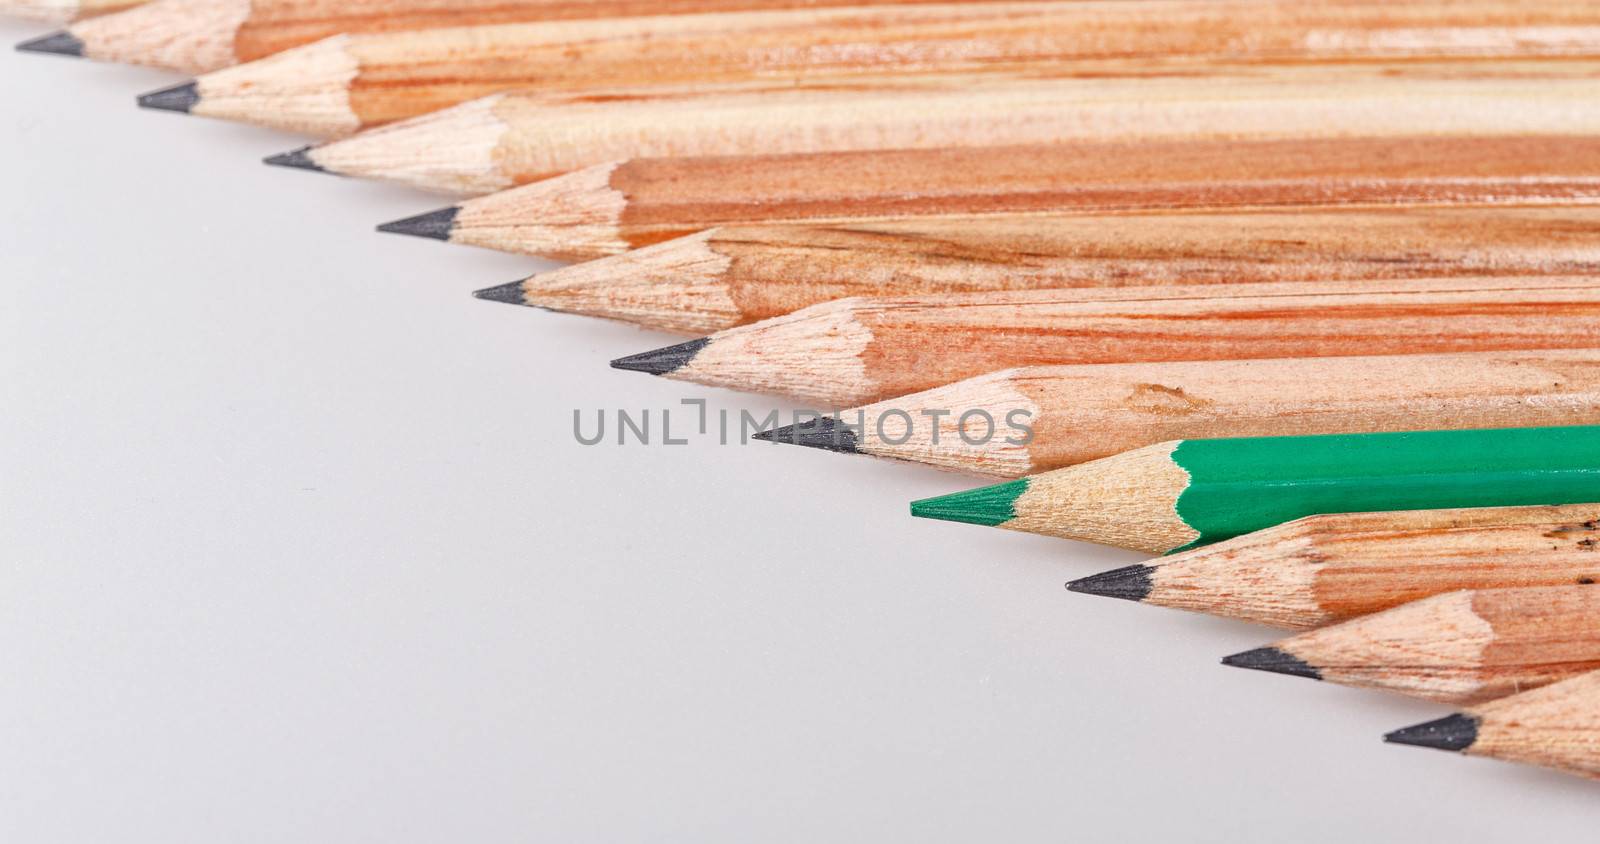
[1459, 647]
[617, 206]
[1331, 568]
[513, 138]
[60, 11]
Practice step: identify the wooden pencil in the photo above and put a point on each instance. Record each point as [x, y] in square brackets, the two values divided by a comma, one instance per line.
[1556, 727]
[199, 36]
[1022, 421]
[508, 139]
[742, 274]
[62, 11]
[855, 351]
[615, 207]
[350, 82]
[1188, 493]
[1460, 647]
[1325, 569]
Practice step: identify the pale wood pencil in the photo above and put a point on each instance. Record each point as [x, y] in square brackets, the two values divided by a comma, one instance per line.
[1556, 727]
[1021, 421]
[62, 11]
[1459, 647]
[198, 36]
[508, 139]
[351, 82]
[855, 351]
[1324, 569]
[612, 208]
[741, 274]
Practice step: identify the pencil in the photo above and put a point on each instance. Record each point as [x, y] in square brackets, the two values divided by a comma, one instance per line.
[62, 11]
[199, 36]
[1188, 493]
[1460, 647]
[856, 351]
[508, 139]
[1556, 727]
[1033, 419]
[350, 82]
[1325, 569]
[742, 274]
[615, 207]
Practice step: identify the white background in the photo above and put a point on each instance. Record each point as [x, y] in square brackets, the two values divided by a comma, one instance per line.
[296, 544]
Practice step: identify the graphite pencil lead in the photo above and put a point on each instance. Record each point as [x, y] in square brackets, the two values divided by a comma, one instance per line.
[300, 158]
[61, 43]
[1130, 583]
[661, 361]
[511, 294]
[1456, 732]
[434, 224]
[1274, 660]
[826, 433]
[177, 98]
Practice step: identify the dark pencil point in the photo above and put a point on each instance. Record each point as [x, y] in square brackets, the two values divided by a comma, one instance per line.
[1131, 583]
[61, 43]
[300, 158]
[511, 294]
[1456, 732]
[827, 433]
[177, 98]
[1274, 660]
[662, 361]
[434, 224]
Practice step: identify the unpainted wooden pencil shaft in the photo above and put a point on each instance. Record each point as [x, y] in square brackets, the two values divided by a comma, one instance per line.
[513, 138]
[615, 207]
[355, 81]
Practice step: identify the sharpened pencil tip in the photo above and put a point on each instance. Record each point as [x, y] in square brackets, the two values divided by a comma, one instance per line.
[1274, 660]
[434, 224]
[177, 98]
[990, 506]
[511, 294]
[300, 158]
[1456, 732]
[827, 433]
[662, 361]
[61, 43]
[1131, 583]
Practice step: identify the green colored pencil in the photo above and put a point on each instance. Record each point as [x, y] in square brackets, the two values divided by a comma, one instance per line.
[1185, 493]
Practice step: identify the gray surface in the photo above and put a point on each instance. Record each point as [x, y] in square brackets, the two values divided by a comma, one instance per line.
[295, 544]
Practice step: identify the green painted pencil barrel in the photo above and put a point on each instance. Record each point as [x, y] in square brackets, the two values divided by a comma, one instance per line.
[1235, 486]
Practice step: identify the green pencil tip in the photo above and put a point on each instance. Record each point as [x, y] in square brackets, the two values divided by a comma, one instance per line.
[989, 506]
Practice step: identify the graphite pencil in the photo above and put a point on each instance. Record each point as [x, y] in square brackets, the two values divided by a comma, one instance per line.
[1325, 569]
[1066, 415]
[1556, 727]
[855, 351]
[742, 274]
[612, 208]
[1188, 493]
[513, 138]
[62, 11]
[350, 82]
[1460, 647]
[199, 36]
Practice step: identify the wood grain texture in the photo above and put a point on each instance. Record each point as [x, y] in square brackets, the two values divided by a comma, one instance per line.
[514, 138]
[855, 351]
[63, 11]
[611, 208]
[406, 74]
[199, 36]
[1462, 647]
[741, 274]
[1555, 727]
[1084, 412]
[1325, 569]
